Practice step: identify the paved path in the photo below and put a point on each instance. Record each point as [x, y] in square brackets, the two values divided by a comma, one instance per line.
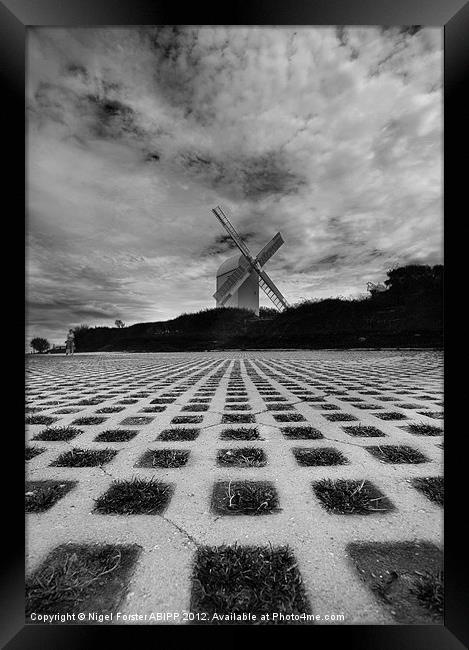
[362, 384]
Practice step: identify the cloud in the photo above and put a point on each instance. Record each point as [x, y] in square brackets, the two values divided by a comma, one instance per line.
[331, 135]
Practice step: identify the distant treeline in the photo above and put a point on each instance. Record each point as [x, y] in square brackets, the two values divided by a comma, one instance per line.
[408, 313]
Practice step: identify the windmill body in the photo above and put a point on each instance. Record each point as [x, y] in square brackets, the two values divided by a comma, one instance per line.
[247, 295]
[240, 276]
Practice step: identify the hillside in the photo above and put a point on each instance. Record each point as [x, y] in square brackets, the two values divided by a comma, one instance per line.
[408, 314]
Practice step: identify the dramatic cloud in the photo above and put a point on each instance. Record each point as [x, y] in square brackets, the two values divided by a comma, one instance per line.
[331, 135]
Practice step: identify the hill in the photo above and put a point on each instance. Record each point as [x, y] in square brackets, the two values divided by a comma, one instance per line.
[409, 313]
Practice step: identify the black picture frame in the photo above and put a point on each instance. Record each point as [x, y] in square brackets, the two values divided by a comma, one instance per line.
[15, 17]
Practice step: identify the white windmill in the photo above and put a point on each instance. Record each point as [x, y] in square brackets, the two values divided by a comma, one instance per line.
[240, 276]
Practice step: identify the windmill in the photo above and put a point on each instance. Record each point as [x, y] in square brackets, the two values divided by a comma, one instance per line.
[240, 276]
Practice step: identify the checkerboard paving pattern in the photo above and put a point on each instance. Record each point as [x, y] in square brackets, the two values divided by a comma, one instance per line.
[277, 423]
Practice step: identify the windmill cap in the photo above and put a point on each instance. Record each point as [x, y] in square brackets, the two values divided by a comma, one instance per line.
[231, 264]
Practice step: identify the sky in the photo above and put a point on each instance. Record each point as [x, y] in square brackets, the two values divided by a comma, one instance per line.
[330, 135]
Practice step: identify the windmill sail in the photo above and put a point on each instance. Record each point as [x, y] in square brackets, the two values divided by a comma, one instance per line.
[269, 288]
[269, 249]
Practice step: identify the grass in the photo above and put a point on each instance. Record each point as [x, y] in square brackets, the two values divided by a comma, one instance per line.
[429, 589]
[408, 405]
[40, 419]
[421, 429]
[163, 400]
[369, 407]
[152, 409]
[244, 498]
[76, 578]
[288, 417]
[110, 409]
[134, 497]
[90, 419]
[187, 419]
[32, 452]
[116, 435]
[280, 407]
[275, 399]
[253, 580]
[433, 487]
[67, 411]
[179, 434]
[137, 420]
[237, 407]
[195, 407]
[89, 402]
[84, 458]
[243, 433]
[127, 401]
[339, 417]
[328, 407]
[238, 418]
[350, 497]
[301, 433]
[397, 454]
[42, 495]
[167, 458]
[316, 457]
[242, 457]
[391, 415]
[363, 431]
[54, 434]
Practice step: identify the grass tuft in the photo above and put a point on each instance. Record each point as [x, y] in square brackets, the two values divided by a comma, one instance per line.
[42, 495]
[244, 498]
[243, 433]
[422, 429]
[397, 454]
[301, 433]
[433, 487]
[116, 435]
[54, 434]
[363, 431]
[350, 497]
[322, 456]
[241, 457]
[84, 458]
[168, 458]
[134, 497]
[179, 434]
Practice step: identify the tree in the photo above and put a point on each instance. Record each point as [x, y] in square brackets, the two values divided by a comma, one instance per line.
[39, 344]
[119, 323]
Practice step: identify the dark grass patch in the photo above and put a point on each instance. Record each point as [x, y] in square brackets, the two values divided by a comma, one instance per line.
[368, 407]
[436, 415]
[244, 498]
[238, 407]
[385, 399]
[187, 419]
[163, 400]
[406, 405]
[406, 577]
[76, 578]
[280, 407]
[127, 401]
[241, 457]
[243, 433]
[363, 431]
[397, 454]
[301, 433]
[351, 497]
[110, 409]
[199, 400]
[288, 417]
[238, 418]
[350, 399]
[152, 409]
[32, 452]
[42, 495]
[179, 434]
[54, 434]
[116, 435]
[89, 402]
[135, 420]
[84, 458]
[253, 580]
[391, 415]
[316, 457]
[134, 497]
[90, 419]
[327, 407]
[433, 487]
[314, 400]
[195, 407]
[40, 419]
[339, 417]
[168, 458]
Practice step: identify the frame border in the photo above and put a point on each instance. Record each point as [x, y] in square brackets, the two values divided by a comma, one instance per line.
[453, 16]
